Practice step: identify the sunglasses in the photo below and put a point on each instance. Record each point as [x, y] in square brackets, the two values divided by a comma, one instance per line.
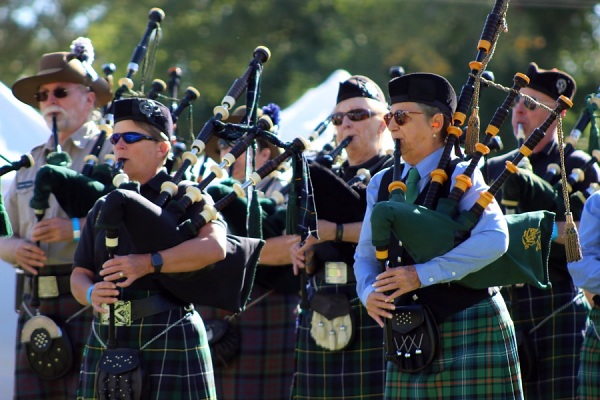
[59, 93]
[130, 137]
[529, 103]
[400, 116]
[359, 114]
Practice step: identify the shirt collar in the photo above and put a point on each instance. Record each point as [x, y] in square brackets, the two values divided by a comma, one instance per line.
[426, 165]
[79, 138]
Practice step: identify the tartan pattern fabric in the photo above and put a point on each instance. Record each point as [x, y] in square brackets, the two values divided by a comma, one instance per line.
[557, 343]
[357, 372]
[178, 363]
[478, 359]
[27, 384]
[589, 367]
[264, 366]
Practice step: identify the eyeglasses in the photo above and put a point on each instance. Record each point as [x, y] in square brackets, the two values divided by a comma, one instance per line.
[130, 137]
[399, 116]
[359, 114]
[530, 103]
[59, 93]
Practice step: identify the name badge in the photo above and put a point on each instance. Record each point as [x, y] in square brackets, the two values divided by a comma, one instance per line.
[336, 273]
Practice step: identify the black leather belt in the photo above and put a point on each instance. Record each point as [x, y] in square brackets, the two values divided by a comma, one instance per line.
[127, 311]
[49, 286]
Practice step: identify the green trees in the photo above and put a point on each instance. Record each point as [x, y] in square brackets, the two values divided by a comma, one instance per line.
[212, 42]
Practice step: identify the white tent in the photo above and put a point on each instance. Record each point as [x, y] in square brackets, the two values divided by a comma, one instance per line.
[302, 117]
[21, 128]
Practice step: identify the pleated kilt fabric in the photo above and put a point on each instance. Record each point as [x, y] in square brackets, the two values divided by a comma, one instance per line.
[263, 368]
[357, 372]
[589, 367]
[177, 363]
[557, 343]
[477, 359]
[28, 384]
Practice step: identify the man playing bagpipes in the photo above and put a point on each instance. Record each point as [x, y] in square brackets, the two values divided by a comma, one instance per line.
[66, 90]
[550, 319]
[585, 275]
[465, 346]
[254, 357]
[163, 335]
[338, 347]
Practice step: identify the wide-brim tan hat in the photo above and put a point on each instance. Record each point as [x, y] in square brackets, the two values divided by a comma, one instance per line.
[61, 67]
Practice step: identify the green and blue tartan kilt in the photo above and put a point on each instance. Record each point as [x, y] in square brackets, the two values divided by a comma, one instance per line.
[177, 363]
[264, 367]
[589, 366]
[477, 360]
[557, 343]
[357, 372]
[27, 384]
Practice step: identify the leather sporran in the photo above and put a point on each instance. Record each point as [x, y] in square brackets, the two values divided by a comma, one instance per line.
[49, 350]
[332, 325]
[412, 337]
[120, 375]
[224, 341]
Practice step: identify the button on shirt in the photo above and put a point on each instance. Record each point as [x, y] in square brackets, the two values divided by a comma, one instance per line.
[488, 240]
[586, 272]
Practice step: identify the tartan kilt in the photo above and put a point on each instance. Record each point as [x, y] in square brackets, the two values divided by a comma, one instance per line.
[557, 343]
[477, 359]
[589, 367]
[357, 372]
[264, 366]
[28, 384]
[177, 363]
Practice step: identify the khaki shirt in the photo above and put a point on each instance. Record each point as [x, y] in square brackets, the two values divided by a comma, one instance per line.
[22, 217]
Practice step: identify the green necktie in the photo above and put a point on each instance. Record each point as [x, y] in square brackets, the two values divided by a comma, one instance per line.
[412, 187]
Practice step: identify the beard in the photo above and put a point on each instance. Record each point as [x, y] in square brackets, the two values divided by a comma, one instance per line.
[61, 117]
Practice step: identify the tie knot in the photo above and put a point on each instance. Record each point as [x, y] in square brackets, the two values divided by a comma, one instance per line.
[413, 176]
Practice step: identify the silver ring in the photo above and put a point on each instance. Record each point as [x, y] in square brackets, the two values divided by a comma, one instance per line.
[121, 274]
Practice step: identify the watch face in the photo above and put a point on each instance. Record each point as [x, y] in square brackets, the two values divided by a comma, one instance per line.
[157, 261]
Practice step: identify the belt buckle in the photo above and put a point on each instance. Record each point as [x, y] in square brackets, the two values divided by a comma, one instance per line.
[336, 272]
[47, 287]
[122, 313]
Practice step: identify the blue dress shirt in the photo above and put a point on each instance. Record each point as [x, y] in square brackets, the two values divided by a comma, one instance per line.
[488, 240]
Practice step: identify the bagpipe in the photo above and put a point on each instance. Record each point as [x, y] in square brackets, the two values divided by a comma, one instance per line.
[445, 227]
[25, 161]
[226, 284]
[560, 186]
[221, 112]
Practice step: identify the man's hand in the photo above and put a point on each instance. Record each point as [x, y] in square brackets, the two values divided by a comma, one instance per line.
[400, 279]
[53, 230]
[29, 256]
[378, 307]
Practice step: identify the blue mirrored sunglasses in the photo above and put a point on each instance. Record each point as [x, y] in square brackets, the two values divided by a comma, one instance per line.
[130, 137]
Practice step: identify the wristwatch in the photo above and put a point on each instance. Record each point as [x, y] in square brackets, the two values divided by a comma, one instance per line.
[157, 262]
